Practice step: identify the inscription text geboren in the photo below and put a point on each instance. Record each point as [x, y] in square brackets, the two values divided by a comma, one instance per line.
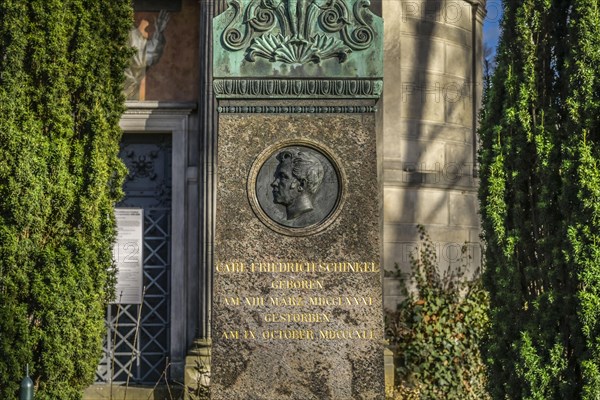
[299, 301]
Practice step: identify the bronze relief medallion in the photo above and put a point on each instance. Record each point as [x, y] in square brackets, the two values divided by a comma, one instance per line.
[296, 187]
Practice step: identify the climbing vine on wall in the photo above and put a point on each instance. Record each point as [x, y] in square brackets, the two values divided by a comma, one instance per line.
[437, 330]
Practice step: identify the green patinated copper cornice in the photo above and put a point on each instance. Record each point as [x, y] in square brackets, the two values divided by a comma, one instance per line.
[298, 48]
[298, 88]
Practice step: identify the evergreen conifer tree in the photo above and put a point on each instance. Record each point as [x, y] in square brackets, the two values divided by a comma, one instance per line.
[61, 76]
[540, 202]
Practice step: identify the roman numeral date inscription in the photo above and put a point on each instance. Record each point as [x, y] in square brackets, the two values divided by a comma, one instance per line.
[299, 304]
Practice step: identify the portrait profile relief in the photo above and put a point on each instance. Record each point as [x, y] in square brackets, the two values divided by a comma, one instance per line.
[297, 179]
[297, 186]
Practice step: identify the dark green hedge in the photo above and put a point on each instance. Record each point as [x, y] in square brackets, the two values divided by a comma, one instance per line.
[540, 202]
[61, 74]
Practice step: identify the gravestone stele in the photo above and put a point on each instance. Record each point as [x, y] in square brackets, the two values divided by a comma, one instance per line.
[297, 292]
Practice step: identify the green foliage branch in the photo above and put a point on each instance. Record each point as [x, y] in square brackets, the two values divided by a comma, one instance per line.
[61, 76]
[540, 202]
[437, 329]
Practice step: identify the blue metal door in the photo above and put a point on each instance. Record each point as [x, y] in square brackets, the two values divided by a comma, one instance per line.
[137, 344]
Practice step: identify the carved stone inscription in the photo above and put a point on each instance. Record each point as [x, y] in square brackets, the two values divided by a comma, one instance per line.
[299, 302]
[297, 306]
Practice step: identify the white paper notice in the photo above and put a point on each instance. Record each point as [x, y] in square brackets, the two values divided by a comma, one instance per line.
[128, 255]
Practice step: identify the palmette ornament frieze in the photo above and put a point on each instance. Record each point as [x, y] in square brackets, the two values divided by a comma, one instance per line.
[298, 31]
[308, 40]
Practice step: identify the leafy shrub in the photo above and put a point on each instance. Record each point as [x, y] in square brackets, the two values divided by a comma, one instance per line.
[437, 330]
[403, 392]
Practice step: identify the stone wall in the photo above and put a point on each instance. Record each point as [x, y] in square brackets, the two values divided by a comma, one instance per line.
[432, 91]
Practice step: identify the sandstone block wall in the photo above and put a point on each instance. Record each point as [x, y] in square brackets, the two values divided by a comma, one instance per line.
[432, 91]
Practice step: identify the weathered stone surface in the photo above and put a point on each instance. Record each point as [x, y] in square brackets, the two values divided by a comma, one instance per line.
[407, 205]
[131, 392]
[432, 91]
[332, 345]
